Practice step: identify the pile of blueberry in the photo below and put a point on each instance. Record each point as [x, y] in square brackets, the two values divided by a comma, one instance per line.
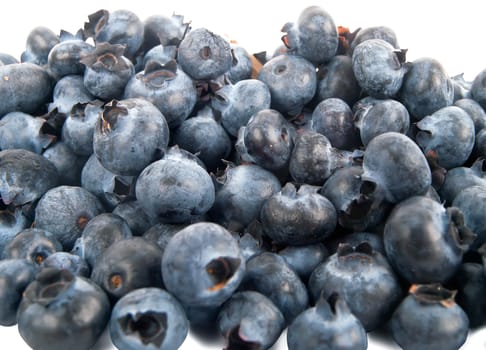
[156, 177]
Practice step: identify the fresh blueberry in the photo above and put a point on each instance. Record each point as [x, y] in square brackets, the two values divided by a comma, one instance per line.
[69, 91]
[363, 278]
[126, 265]
[160, 54]
[25, 87]
[237, 103]
[67, 261]
[6, 59]
[269, 274]
[426, 87]
[57, 305]
[303, 259]
[116, 27]
[330, 324]
[39, 43]
[477, 91]
[68, 164]
[314, 159]
[298, 216]
[22, 130]
[12, 221]
[313, 37]
[203, 265]
[65, 211]
[376, 116]
[64, 58]
[250, 320]
[375, 32]
[336, 79]
[15, 276]
[475, 111]
[424, 241]
[148, 318]
[379, 68]
[163, 30]
[449, 133]
[267, 140]
[161, 233]
[418, 322]
[240, 194]
[462, 88]
[356, 209]
[204, 55]
[292, 81]
[129, 135]
[242, 67]
[334, 119]
[78, 128]
[204, 136]
[137, 219]
[176, 189]
[168, 87]
[110, 188]
[394, 163]
[25, 176]
[33, 244]
[100, 232]
[107, 71]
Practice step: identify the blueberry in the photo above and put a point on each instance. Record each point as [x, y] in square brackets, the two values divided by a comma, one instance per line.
[15, 276]
[137, 219]
[25, 176]
[379, 68]
[163, 30]
[477, 89]
[33, 244]
[250, 320]
[110, 188]
[395, 163]
[25, 87]
[462, 88]
[375, 32]
[12, 221]
[202, 264]
[330, 324]
[65, 211]
[449, 133]
[471, 201]
[127, 264]
[356, 209]
[240, 194]
[297, 217]
[116, 27]
[239, 102]
[242, 67]
[161, 233]
[67, 261]
[292, 81]
[78, 128]
[175, 189]
[363, 278]
[336, 79]
[204, 55]
[57, 305]
[6, 59]
[148, 318]
[475, 111]
[267, 140]
[107, 71]
[418, 322]
[313, 37]
[376, 116]
[304, 259]
[100, 232]
[39, 43]
[22, 130]
[269, 274]
[69, 91]
[424, 241]
[333, 118]
[64, 58]
[160, 54]
[204, 136]
[314, 159]
[168, 87]
[426, 87]
[129, 135]
[68, 164]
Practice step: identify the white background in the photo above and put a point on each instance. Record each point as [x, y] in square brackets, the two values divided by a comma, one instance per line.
[450, 31]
